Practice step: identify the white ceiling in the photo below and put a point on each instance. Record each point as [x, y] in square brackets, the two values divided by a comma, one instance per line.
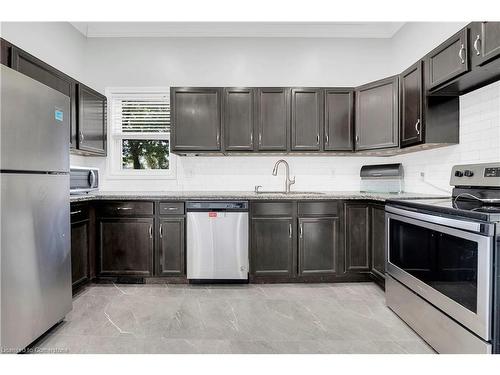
[239, 29]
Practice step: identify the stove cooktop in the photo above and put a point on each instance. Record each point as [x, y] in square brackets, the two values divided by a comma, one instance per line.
[473, 209]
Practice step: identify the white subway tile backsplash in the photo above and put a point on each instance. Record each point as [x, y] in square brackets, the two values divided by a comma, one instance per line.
[479, 142]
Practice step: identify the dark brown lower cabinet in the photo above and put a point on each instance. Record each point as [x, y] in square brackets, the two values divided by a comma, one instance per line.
[318, 238]
[125, 246]
[272, 246]
[171, 253]
[80, 231]
[357, 237]
[377, 230]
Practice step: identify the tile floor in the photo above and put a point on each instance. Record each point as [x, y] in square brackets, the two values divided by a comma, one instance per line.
[271, 318]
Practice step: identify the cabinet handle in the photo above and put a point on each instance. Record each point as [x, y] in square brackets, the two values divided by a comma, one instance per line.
[290, 230]
[357, 139]
[461, 54]
[81, 137]
[300, 230]
[417, 128]
[161, 230]
[327, 139]
[150, 231]
[476, 44]
[260, 139]
[251, 138]
[317, 139]
[123, 208]
[75, 212]
[218, 139]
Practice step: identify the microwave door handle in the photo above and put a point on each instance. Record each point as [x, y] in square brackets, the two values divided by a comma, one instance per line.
[92, 179]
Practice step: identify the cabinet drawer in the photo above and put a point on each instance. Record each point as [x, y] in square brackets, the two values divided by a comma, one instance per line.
[172, 208]
[272, 209]
[318, 208]
[79, 212]
[126, 209]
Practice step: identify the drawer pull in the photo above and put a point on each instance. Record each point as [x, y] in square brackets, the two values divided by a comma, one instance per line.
[76, 212]
[123, 208]
[172, 208]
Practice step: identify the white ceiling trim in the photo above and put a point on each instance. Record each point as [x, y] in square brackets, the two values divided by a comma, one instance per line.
[239, 29]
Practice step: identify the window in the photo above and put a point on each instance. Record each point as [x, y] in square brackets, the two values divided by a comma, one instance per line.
[140, 134]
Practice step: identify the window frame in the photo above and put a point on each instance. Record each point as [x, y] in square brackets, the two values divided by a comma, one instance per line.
[114, 166]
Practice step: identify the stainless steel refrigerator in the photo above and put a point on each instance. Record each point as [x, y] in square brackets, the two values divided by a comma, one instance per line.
[35, 221]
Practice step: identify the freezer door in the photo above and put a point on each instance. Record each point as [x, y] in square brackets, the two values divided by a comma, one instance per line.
[217, 245]
[35, 256]
[34, 127]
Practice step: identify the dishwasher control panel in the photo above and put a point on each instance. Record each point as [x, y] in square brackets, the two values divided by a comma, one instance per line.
[217, 206]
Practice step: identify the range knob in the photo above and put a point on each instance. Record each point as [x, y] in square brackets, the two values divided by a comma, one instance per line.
[458, 174]
[468, 173]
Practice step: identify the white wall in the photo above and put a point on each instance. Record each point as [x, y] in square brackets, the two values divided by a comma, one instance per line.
[57, 43]
[112, 62]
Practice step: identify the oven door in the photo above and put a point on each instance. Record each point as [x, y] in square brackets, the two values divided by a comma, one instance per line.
[448, 266]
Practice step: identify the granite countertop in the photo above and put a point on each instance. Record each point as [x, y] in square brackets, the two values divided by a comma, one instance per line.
[245, 195]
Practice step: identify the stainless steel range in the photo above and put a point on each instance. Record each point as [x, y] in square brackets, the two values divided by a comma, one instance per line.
[443, 266]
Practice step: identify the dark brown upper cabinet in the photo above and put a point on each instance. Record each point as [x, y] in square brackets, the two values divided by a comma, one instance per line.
[307, 119]
[35, 68]
[273, 118]
[92, 107]
[339, 120]
[238, 109]
[449, 60]
[5, 53]
[377, 115]
[196, 119]
[412, 97]
[485, 39]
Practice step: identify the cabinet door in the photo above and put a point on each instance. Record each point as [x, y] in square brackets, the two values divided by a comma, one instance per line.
[485, 38]
[357, 237]
[317, 245]
[339, 120]
[378, 239]
[411, 91]
[35, 68]
[238, 119]
[126, 246]
[273, 119]
[79, 252]
[307, 119]
[171, 246]
[91, 121]
[196, 115]
[377, 117]
[449, 60]
[272, 246]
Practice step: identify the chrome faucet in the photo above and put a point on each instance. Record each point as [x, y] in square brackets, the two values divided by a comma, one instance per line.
[288, 180]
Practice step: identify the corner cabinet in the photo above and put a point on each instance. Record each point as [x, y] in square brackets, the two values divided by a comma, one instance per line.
[412, 99]
[357, 237]
[196, 119]
[92, 109]
[377, 115]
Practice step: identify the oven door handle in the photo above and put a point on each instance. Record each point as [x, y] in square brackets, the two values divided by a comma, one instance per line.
[472, 226]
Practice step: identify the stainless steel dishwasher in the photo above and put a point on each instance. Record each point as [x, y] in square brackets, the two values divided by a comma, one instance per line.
[217, 240]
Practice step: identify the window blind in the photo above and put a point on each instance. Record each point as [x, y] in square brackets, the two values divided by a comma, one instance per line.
[143, 115]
